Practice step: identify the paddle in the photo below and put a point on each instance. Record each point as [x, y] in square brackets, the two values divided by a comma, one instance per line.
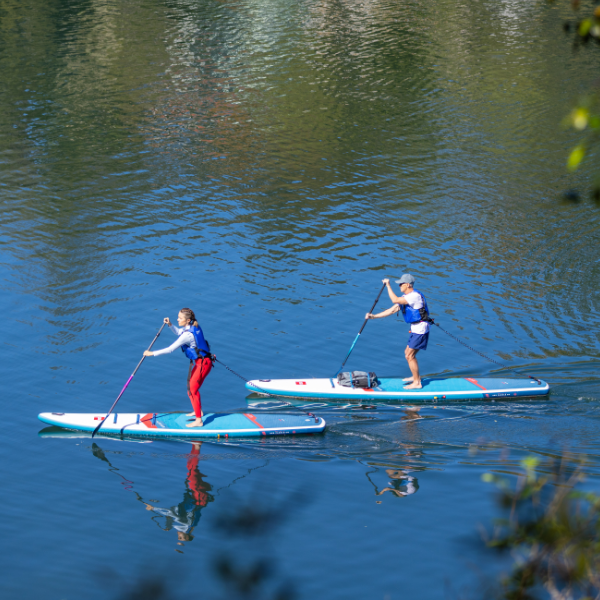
[361, 329]
[125, 387]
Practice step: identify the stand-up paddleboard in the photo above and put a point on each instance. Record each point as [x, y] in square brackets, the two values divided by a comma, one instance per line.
[225, 425]
[392, 388]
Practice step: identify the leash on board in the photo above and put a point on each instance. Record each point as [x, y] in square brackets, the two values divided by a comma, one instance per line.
[481, 353]
[361, 330]
[265, 391]
[128, 381]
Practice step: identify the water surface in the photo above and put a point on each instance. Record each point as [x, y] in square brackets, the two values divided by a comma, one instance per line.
[267, 164]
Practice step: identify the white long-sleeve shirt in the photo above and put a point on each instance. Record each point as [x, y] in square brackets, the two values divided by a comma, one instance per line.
[184, 336]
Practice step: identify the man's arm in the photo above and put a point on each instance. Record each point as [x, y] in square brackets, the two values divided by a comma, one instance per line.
[395, 299]
[385, 313]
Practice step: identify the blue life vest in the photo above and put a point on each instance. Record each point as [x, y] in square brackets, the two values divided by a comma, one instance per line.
[415, 315]
[202, 348]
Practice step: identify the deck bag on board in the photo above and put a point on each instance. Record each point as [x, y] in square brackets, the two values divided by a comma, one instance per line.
[358, 379]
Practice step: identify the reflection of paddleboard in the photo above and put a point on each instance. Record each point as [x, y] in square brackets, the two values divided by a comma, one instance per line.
[59, 432]
[392, 388]
[174, 424]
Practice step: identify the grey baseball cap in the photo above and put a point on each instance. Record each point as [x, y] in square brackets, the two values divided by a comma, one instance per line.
[406, 278]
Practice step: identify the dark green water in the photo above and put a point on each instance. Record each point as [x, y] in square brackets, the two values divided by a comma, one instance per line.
[267, 164]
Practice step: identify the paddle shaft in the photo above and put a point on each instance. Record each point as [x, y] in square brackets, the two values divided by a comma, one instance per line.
[361, 330]
[125, 386]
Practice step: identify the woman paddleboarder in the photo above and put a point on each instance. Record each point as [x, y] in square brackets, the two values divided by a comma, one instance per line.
[191, 341]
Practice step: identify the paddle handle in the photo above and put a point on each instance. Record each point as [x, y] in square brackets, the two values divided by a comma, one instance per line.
[361, 330]
[372, 307]
[125, 386]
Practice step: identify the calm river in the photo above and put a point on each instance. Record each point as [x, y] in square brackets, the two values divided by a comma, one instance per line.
[267, 163]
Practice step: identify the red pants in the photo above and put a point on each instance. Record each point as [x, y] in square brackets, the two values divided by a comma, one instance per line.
[196, 377]
[198, 487]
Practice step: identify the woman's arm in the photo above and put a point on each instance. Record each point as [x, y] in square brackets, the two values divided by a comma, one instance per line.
[185, 338]
[175, 330]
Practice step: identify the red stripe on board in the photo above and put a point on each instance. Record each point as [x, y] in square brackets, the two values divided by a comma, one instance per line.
[253, 419]
[147, 421]
[475, 382]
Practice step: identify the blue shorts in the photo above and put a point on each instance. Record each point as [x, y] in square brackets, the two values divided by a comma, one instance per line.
[417, 341]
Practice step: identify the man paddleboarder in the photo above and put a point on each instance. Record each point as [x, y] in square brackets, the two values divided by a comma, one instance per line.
[414, 310]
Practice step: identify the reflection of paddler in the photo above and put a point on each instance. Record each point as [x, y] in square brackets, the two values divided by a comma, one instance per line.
[411, 413]
[185, 516]
[402, 484]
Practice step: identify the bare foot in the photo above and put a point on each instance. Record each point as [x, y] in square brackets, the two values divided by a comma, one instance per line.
[406, 380]
[196, 423]
[413, 386]
[193, 414]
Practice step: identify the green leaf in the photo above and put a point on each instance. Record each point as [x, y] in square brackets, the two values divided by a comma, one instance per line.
[580, 118]
[576, 157]
[594, 122]
[584, 27]
[530, 463]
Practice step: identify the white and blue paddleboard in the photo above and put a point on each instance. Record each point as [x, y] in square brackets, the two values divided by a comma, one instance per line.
[225, 425]
[392, 388]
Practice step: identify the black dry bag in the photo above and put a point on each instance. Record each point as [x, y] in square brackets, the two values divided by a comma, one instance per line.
[358, 379]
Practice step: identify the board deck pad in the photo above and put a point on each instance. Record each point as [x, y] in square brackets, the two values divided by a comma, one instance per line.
[174, 424]
[392, 388]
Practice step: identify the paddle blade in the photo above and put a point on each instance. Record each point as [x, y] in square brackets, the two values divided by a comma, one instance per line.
[98, 427]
